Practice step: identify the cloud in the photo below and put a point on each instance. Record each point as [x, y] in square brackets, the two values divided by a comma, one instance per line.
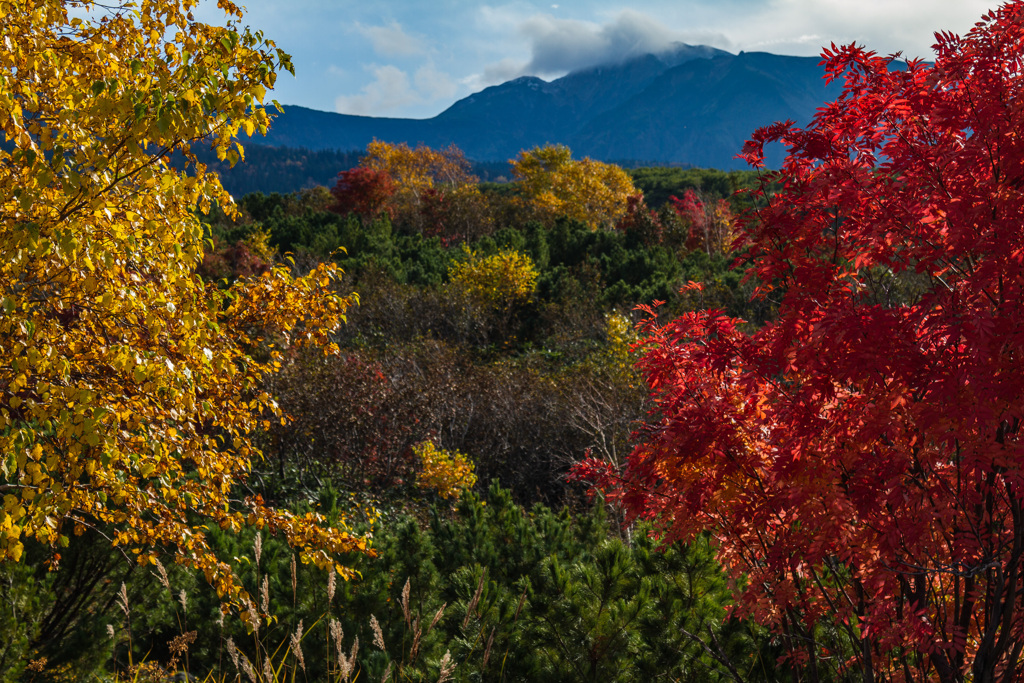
[392, 40]
[558, 46]
[392, 92]
[561, 45]
[433, 85]
[804, 26]
[389, 90]
[502, 71]
[550, 46]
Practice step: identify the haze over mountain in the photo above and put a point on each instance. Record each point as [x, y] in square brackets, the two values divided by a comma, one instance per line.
[693, 105]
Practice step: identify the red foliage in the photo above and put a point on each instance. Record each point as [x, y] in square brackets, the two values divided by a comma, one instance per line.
[711, 223]
[860, 459]
[689, 206]
[363, 191]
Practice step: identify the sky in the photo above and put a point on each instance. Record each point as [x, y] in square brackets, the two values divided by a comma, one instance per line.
[414, 58]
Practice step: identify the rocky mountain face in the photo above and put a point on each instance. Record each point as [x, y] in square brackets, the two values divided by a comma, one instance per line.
[694, 105]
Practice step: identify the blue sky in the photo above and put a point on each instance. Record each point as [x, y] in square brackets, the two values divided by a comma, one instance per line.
[413, 58]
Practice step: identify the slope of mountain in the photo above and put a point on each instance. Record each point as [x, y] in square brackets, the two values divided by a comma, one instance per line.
[693, 105]
[701, 113]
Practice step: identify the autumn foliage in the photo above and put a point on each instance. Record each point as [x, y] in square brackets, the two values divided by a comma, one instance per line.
[363, 191]
[416, 169]
[590, 191]
[417, 173]
[711, 223]
[129, 388]
[860, 459]
[425, 190]
[448, 473]
[498, 281]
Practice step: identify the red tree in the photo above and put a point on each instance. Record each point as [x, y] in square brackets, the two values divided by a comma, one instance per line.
[711, 222]
[860, 459]
[363, 191]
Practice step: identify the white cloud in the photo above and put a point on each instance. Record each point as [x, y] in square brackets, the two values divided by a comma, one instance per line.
[502, 71]
[885, 26]
[393, 93]
[392, 40]
[433, 85]
[389, 90]
[560, 45]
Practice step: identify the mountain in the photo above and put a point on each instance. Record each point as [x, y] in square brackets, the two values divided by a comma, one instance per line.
[692, 105]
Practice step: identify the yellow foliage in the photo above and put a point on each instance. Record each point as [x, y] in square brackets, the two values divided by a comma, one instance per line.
[500, 281]
[618, 358]
[621, 335]
[447, 472]
[128, 388]
[590, 191]
[414, 171]
[259, 242]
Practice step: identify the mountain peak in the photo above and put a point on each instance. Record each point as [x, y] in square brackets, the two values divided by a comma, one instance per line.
[680, 53]
[528, 81]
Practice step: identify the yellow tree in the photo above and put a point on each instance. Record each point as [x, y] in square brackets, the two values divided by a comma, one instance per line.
[500, 284]
[128, 388]
[590, 191]
[449, 473]
[420, 170]
[500, 281]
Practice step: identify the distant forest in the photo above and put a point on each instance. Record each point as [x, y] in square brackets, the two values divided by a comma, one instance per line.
[285, 170]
